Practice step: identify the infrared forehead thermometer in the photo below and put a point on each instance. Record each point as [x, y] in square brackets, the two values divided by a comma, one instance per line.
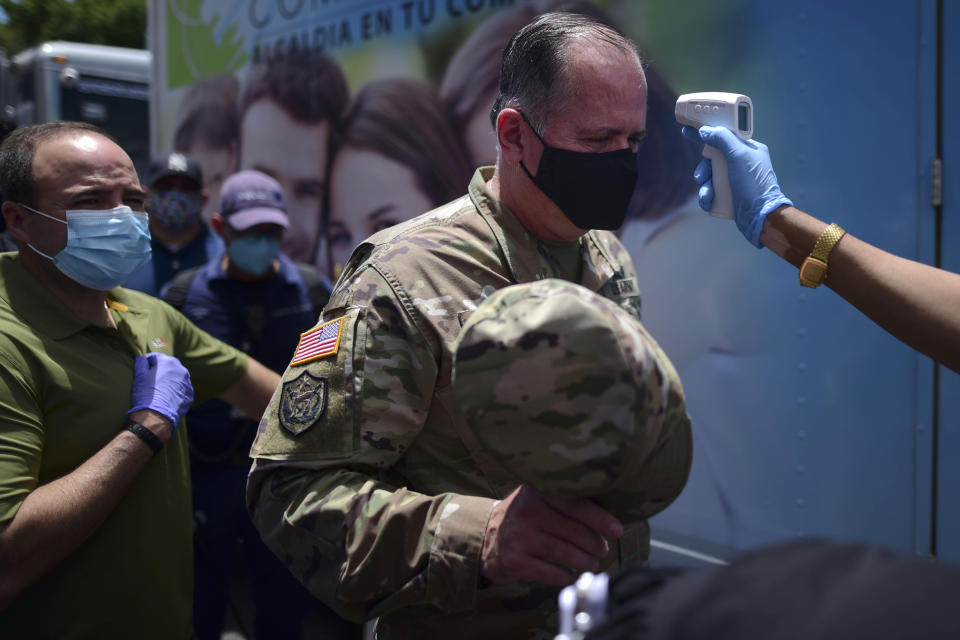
[731, 110]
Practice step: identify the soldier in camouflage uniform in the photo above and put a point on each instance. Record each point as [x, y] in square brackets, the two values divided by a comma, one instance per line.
[368, 481]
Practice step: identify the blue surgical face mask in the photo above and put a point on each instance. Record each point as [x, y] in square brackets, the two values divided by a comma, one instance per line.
[254, 254]
[104, 248]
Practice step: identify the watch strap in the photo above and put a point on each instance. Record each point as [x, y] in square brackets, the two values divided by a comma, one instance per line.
[827, 241]
[148, 437]
[814, 269]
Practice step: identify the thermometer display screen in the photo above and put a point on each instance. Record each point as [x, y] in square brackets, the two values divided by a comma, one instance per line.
[743, 117]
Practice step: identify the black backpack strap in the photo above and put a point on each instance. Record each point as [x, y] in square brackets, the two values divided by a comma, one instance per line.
[318, 289]
[176, 293]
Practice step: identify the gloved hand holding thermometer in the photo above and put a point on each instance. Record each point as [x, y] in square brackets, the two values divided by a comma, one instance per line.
[736, 178]
[909, 305]
[731, 110]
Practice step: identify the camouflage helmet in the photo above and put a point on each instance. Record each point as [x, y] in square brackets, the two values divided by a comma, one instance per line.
[568, 393]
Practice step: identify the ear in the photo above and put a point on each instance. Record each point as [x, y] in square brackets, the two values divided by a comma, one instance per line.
[512, 134]
[216, 221]
[16, 218]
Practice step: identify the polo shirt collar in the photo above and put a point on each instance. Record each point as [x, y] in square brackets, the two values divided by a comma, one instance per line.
[38, 307]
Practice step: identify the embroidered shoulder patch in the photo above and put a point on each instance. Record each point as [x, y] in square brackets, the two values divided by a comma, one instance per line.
[320, 341]
[302, 402]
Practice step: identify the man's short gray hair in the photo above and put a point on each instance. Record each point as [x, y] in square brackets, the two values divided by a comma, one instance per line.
[535, 61]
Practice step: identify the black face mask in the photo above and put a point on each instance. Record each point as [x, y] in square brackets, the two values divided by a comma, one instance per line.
[592, 189]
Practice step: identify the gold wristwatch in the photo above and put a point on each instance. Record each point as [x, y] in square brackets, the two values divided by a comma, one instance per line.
[813, 271]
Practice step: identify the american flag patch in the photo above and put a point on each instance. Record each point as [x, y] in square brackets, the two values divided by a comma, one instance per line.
[318, 342]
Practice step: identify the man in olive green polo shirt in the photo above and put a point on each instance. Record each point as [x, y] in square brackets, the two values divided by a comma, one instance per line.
[95, 516]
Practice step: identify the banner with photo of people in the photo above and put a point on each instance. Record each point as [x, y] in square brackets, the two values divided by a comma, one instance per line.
[369, 112]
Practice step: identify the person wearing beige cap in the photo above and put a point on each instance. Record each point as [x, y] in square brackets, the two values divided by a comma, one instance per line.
[258, 300]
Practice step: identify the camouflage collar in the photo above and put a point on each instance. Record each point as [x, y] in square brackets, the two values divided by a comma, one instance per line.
[519, 246]
[598, 264]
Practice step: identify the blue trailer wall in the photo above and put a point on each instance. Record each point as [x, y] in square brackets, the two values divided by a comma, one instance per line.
[948, 449]
[829, 432]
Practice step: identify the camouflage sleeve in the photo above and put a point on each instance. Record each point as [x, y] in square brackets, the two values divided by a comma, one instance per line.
[320, 491]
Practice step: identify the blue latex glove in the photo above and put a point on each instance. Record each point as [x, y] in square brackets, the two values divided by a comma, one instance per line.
[162, 384]
[753, 183]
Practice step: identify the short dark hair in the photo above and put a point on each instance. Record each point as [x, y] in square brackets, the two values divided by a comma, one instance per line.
[310, 87]
[17, 152]
[472, 75]
[405, 120]
[6, 128]
[532, 72]
[208, 114]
